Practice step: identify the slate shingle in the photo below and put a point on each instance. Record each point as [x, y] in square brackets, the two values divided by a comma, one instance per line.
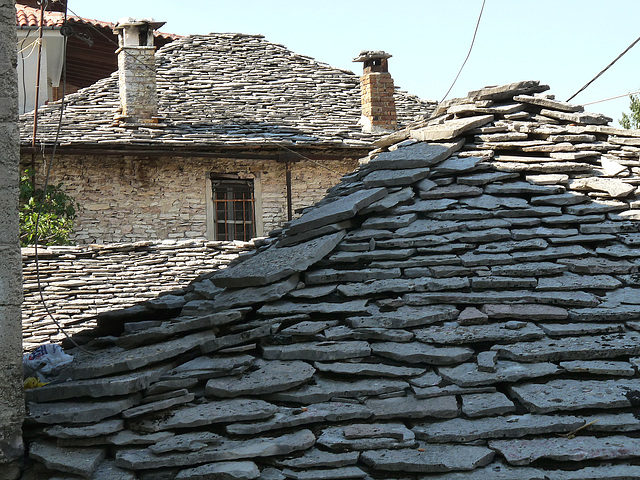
[492, 336]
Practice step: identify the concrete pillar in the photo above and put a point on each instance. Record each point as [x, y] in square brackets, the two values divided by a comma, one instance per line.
[11, 392]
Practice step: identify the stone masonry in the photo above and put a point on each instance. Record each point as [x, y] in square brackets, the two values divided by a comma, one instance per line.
[226, 104]
[11, 395]
[130, 199]
[137, 73]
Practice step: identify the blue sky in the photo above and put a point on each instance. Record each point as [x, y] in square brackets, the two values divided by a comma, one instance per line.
[562, 43]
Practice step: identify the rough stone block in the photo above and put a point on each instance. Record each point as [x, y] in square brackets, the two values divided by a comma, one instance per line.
[369, 369]
[220, 411]
[343, 473]
[325, 389]
[451, 333]
[486, 404]
[450, 129]
[266, 377]
[76, 412]
[470, 375]
[512, 426]
[343, 208]
[317, 351]
[78, 461]
[524, 452]
[230, 298]
[288, 417]
[416, 352]
[417, 155]
[318, 458]
[275, 263]
[86, 431]
[573, 348]
[228, 450]
[394, 178]
[571, 395]
[222, 471]
[412, 407]
[117, 360]
[96, 388]
[428, 458]
[367, 437]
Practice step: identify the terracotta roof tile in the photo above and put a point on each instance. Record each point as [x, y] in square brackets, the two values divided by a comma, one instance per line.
[30, 17]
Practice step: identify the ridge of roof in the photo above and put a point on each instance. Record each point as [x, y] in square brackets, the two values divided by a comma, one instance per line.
[464, 306]
[255, 92]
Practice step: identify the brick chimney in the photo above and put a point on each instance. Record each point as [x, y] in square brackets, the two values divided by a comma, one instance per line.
[376, 87]
[137, 71]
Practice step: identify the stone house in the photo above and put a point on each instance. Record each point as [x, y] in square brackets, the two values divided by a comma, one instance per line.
[89, 57]
[222, 136]
[464, 306]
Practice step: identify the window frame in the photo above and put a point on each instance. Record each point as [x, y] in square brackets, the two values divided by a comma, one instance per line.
[212, 222]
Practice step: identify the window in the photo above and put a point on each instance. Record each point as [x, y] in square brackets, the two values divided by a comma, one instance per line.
[233, 208]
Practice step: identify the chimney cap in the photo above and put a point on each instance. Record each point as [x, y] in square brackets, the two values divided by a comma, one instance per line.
[366, 55]
[133, 22]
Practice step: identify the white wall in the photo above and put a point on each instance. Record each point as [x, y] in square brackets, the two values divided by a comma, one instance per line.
[51, 69]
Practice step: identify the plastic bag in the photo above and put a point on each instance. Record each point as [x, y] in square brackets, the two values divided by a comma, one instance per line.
[44, 361]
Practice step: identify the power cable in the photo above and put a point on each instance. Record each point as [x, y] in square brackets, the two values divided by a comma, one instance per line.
[53, 152]
[473, 40]
[32, 45]
[44, 194]
[605, 68]
[610, 98]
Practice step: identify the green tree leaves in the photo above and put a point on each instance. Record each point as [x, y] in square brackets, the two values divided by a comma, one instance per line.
[57, 212]
[632, 120]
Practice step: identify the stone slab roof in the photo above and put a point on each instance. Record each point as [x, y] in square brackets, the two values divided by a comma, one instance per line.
[465, 306]
[229, 90]
[80, 282]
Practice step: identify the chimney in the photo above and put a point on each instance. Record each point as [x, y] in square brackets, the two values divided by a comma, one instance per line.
[137, 70]
[376, 90]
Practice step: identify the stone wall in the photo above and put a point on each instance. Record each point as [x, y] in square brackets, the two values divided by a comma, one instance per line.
[79, 282]
[129, 199]
[11, 393]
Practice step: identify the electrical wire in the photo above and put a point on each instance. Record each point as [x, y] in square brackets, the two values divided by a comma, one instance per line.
[53, 152]
[605, 68]
[33, 46]
[473, 41]
[44, 196]
[610, 98]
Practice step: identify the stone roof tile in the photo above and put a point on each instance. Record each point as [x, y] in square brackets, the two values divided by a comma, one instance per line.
[448, 333]
[226, 90]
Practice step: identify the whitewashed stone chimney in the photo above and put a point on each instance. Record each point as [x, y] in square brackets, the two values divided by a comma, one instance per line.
[137, 70]
[376, 87]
